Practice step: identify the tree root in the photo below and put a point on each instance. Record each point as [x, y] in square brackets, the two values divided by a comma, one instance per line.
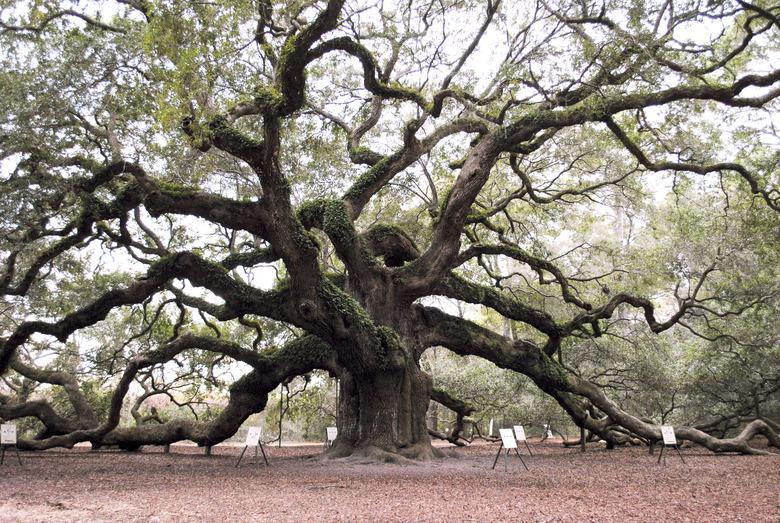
[372, 455]
[421, 452]
[410, 455]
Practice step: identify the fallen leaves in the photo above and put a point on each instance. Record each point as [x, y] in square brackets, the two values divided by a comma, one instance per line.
[562, 485]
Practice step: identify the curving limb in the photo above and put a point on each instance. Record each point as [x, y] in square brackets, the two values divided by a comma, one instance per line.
[247, 396]
[572, 392]
[462, 411]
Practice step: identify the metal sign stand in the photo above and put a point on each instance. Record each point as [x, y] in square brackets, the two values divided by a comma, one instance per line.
[670, 441]
[675, 447]
[520, 436]
[253, 440]
[8, 440]
[258, 446]
[2, 453]
[331, 433]
[508, 442]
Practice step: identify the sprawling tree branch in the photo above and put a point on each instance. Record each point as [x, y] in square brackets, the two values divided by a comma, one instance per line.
[771, 197]
[467, 338]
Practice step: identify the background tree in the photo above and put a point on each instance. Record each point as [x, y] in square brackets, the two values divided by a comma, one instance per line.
[280, 187]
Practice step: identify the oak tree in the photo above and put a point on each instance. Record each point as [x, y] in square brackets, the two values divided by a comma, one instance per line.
[181, 178]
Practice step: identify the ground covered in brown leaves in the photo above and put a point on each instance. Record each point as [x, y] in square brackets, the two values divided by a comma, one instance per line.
[562, 485]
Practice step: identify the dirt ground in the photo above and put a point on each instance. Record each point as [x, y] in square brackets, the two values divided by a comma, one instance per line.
[562, 485]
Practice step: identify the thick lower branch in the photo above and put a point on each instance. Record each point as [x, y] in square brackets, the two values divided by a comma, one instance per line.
[464, 337]
[53, 423]
[247, 396]
[461, 409]
[85, 414]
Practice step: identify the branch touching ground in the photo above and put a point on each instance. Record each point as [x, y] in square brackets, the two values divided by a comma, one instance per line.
[461, 409]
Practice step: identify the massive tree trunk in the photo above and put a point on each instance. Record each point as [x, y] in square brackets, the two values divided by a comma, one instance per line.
[383, 411]
[384, 393]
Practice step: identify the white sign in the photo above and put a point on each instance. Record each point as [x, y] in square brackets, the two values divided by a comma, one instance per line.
[7, 434]
[519, 433]
[667, 431]
[253, 436]
[332, 433]
[490, 429]
[508, 438]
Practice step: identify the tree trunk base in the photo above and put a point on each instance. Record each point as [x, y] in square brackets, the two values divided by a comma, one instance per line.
[422, 452]
[374, 454]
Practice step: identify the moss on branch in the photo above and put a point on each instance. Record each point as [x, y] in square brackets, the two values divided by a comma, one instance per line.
[368, 178]
[268, 98]
[331, 216]
[392, 243]
[176, 190]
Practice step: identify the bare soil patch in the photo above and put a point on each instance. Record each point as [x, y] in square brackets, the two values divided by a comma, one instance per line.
[562, 485]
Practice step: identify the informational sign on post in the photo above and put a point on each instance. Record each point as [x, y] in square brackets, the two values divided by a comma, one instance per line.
[253, 440]
[507, 438]
[7, 434]
[332, 433]
[508, 442]
[520, 436]
[670, 441]
[667, 431]
[253, 436]
[8, 440]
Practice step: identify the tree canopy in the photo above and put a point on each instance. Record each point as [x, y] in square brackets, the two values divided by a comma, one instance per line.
[194, 190]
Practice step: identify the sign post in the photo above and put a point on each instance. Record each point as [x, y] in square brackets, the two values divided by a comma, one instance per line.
[520, 436]
[8, 440]
[508, 442]
[670, 441]
[331, 433]
[253, 440]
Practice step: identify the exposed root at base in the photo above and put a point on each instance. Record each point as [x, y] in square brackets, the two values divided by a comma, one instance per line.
[372, 454]
[421, 452]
